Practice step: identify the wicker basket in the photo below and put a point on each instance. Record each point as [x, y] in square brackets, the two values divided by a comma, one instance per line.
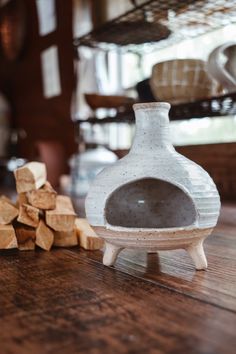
[182, 80]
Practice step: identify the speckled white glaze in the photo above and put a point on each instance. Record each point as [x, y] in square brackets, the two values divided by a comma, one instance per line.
[224, 71]
[153, 198]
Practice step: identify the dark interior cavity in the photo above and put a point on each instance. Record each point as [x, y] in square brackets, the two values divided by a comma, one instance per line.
[150, 203]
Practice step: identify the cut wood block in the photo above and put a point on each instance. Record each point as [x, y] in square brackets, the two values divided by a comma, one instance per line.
[25, 237]
[43, 198]
[31, 176]
[88, 239]
[21, 199]
[44, 236]
[7, 237]
[8, 212]
[65, 238]
[8, 200]
[28, 215]
[62, 218]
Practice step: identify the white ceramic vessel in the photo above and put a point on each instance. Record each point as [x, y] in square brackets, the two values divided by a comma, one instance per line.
[153, 198]
[222, 65]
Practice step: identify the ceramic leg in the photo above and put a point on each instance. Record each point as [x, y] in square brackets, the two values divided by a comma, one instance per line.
[110, 254]
[197, 254]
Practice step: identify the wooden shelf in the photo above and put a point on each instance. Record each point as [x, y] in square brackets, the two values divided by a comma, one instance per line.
[66, 301]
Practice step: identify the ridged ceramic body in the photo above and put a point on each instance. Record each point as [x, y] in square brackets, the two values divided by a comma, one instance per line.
[153, 198]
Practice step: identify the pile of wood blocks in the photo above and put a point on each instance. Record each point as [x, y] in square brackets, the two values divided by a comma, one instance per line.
[40, 216]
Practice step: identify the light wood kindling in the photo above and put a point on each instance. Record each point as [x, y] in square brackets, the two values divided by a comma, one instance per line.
[62, 218]
[43, 198]
[88, 239]
[21, 199]
[44, 236]
[8, 200]
[65, 238]
[7, 237]
[28, 215]
[25, 237]
[31, 176]
[8, 212]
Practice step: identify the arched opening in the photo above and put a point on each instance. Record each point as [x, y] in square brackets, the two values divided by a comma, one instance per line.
[149, 203]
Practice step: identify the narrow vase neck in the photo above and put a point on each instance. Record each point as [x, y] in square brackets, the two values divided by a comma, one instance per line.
[152, 127]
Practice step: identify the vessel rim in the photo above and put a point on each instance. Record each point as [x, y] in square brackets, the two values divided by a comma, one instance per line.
[150, 105]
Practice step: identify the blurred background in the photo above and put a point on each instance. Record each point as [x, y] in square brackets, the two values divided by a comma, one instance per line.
[71, 70]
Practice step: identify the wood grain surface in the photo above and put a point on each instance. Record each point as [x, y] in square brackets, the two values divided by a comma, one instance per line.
[66, 301]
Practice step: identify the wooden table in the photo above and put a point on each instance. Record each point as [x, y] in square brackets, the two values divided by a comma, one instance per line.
[66, 301]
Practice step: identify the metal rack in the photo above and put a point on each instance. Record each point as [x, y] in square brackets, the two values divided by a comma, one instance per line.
[184, 19]
[209, 107]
